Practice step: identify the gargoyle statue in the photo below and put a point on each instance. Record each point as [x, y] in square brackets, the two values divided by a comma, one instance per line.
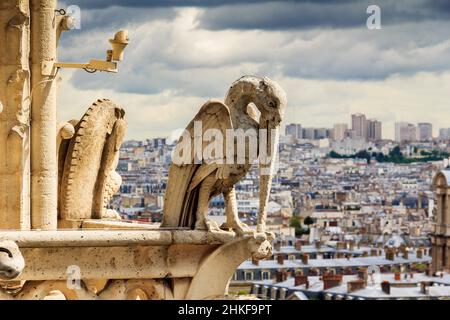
[191, 184]
[87, 162]
[11, 260]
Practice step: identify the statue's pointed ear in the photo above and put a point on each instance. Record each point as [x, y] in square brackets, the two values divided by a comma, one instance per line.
[263, 84]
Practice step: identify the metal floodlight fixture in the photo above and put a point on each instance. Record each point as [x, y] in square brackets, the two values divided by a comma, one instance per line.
[118, 44]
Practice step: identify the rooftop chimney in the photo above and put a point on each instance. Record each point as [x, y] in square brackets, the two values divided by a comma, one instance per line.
[305, 258]
[318, 244]
[348, 271]
[390, 254]
[255, 262]
[277, 246]
[331, 281]
[405, 254]
[419, 254]
[281, 275]
[280, 258]
[355, 285]
[362, 274]
[351, 245]
[423, 288]
[340, 245]
[300, 279]
[386, 287]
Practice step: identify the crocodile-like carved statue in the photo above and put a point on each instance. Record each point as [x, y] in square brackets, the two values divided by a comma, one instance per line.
[87, 163]
[11, 260]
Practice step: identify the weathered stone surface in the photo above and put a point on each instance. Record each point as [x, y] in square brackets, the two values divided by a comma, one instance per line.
[14, 114]
[88, 177]
[11, 260]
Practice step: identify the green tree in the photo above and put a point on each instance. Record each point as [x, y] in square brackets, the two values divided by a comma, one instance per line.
[308, 221]
[296, 224]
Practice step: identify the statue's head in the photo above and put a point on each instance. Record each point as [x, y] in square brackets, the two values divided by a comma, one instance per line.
[11, 260]
[267, 95]
[272, 102]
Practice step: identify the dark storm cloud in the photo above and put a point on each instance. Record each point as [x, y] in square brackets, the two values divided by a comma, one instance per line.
[299, 14]
[88, 4]
[184, 50]
[329, 14]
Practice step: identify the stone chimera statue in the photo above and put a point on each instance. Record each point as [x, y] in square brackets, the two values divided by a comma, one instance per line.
[191, 185]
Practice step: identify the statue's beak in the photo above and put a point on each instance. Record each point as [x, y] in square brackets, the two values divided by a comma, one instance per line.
[267, 158]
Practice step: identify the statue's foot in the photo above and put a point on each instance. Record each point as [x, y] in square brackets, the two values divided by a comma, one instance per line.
[213, 228]
[200, 225]
[111, 214]
[242, 229]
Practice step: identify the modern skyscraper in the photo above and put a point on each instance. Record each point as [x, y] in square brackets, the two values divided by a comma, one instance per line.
[444, 134]
[308, 133]
[294, 130]
[374, 130]
[359, 125]
[340, 131]
[425, 131]
[320, 133]
[406, 132]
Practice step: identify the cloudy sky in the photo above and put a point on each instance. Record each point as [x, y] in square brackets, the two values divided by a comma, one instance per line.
[183, 52]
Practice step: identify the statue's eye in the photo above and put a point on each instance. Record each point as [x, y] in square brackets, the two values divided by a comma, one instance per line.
[272, 104]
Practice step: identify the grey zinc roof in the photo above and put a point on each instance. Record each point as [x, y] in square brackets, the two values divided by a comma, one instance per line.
[331, 263]
[372, 291]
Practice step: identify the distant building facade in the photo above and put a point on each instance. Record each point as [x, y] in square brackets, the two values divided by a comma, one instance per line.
[444, 134]
[294, 130]
[425, 131]
[340, 131]
[359, 125]
[374, 130]
[406, 132]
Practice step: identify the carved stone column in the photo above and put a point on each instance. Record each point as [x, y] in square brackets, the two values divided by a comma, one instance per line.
[43, 116]
[14, 114]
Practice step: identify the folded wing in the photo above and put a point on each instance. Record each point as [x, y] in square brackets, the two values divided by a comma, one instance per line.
[180, 202]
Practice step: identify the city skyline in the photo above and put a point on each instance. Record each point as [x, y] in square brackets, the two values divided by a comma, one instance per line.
[374, 129]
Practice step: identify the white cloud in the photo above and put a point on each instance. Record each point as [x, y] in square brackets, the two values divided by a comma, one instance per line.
[422, 97]
[172, 66]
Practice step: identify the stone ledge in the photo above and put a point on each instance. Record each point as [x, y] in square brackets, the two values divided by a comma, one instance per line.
[113, 238]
